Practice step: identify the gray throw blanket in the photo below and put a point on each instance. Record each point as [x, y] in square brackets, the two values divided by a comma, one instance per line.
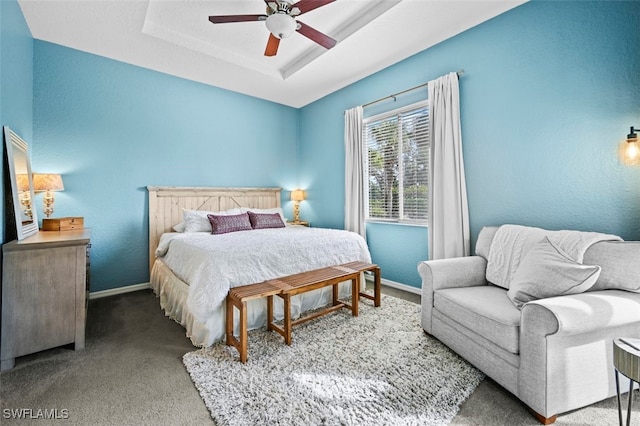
[512, 242]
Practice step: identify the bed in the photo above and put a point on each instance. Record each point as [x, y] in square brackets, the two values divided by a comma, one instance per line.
[191, 271]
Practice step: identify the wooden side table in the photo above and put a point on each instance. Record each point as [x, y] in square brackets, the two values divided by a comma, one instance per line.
[626, 360]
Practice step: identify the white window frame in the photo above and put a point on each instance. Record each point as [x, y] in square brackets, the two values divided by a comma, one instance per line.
[388, 114]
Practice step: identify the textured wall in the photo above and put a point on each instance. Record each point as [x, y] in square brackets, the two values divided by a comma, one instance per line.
[16, 94]
[111, 129]
[549, 90]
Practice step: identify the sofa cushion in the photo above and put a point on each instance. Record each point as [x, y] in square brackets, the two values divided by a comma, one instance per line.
[485, 310]
[511, 243]
[547, 271]
[620, 263]
[483, 244]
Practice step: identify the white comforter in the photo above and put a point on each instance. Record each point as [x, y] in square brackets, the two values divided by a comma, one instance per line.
[211, 264]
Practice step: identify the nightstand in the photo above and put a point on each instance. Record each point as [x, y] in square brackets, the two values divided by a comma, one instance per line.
[300, 222]
[44, 292]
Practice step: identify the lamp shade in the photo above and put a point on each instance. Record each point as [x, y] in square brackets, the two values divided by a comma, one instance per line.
[23, 182]
[47, 182]
[632, 153]
[631, 149]
[297, 195]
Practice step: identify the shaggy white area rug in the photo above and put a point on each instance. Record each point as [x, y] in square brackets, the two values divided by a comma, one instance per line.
[379, 368]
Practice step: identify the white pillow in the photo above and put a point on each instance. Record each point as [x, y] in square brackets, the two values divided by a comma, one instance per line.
[197, 220]
[546, 271]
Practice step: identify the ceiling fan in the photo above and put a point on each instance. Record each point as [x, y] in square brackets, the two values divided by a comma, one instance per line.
[281, 22]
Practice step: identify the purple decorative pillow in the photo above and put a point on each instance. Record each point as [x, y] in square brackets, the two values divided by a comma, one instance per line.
[265, 220]
[229, 223]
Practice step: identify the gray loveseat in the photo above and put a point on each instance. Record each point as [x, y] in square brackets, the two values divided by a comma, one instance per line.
[554, 354]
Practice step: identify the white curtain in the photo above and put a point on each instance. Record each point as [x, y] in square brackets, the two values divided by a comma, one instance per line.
[448, 209]
[355, 201]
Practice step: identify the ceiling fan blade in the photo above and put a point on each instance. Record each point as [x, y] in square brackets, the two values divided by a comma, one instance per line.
[315, 35]
[272, 46]
[236, 18]
[306, 5]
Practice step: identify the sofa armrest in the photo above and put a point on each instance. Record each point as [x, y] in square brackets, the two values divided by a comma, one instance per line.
[448, 273]
[563, 337]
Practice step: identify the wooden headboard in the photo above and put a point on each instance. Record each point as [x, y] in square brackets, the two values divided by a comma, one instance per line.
[166, 204]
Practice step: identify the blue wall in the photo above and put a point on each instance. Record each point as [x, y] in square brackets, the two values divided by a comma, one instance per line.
[111, 129]
[16, 93]
[549, 90]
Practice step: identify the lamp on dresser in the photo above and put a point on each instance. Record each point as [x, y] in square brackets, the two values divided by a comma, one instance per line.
[47, 182]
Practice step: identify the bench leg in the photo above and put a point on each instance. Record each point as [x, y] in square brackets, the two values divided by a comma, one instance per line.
[287, 318]
[376, 287]
[355, 294]
[241, 342]
[335, 294]
[269, 313]
[243, 333]
[229, 324]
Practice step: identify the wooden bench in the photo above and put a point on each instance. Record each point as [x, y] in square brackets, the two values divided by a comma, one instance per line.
[375, 269]
[291, 285]
[238, 297]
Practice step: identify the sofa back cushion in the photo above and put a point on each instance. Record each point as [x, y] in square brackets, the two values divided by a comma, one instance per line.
[620, 263]
[511, 243]
[484, 240]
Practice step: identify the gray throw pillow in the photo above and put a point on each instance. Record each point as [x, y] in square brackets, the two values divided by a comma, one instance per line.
[620, 263]
[546, 271]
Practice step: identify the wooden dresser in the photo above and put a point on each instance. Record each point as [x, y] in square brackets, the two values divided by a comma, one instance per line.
[45, 281]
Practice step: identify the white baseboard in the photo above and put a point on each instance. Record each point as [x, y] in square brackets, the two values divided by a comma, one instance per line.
[119, 290]
[403, 287]
[399, 286]
[144, 286]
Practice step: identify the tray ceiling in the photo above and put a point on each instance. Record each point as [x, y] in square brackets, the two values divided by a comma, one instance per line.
[176, 37]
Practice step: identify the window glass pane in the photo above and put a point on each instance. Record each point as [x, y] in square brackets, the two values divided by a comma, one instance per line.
[383, 168]
[398, 165]
[415, 154]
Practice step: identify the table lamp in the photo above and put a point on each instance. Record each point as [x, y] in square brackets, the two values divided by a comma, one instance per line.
[297, 195]
[47, 182]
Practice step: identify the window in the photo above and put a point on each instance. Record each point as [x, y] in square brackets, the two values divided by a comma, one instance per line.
[397, 144]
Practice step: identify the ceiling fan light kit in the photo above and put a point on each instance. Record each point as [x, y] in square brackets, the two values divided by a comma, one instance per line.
[281, 22]
[281, 25]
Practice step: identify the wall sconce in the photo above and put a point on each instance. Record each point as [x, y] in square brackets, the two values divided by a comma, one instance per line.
[297, 195]
[631, 149]
[47, 182]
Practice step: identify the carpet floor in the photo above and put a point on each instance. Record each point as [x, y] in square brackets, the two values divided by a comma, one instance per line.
[131, 373]
[379, 368]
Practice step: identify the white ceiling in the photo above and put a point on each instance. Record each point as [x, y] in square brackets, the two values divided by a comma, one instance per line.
[176, 37]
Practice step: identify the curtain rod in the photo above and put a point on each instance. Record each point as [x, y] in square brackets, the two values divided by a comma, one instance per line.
[459, 72]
